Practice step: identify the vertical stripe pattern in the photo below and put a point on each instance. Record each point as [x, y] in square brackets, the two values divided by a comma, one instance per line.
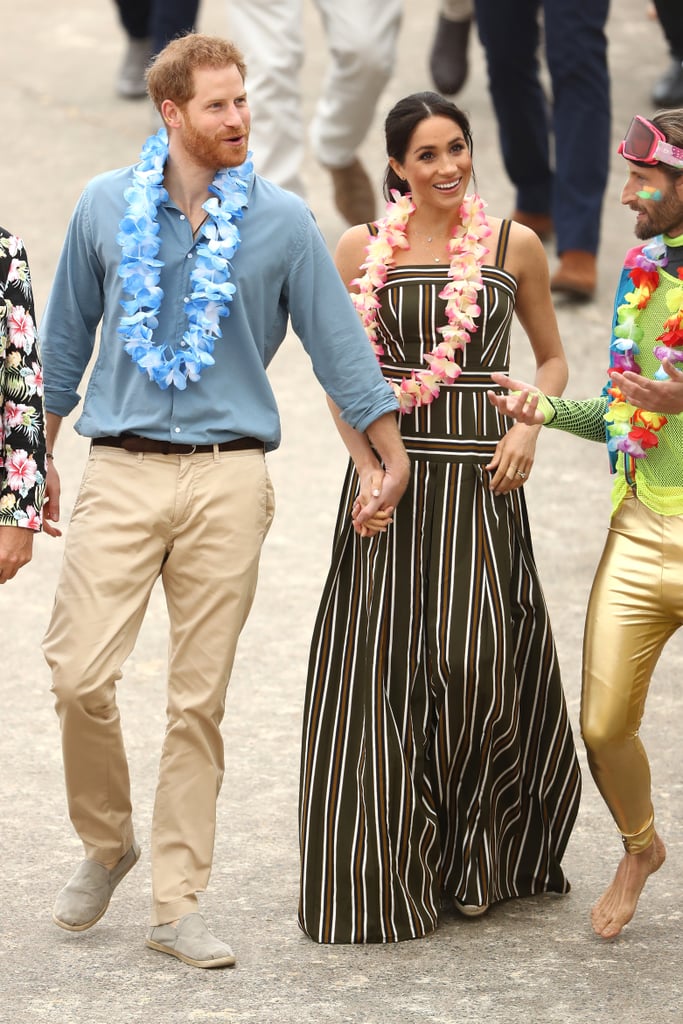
[437, 756]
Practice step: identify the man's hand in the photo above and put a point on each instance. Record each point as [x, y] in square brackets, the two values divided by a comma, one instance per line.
[383, 499]
[522, 406]
[654, 395]
[370, 489]
[386, 439]
[16, 549]
[51, 501]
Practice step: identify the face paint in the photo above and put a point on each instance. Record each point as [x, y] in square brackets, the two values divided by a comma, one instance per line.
[650, 193]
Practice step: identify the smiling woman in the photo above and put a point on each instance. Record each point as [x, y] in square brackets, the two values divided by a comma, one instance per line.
[432, 663]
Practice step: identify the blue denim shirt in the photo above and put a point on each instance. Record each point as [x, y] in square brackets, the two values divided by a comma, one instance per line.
[282, 272]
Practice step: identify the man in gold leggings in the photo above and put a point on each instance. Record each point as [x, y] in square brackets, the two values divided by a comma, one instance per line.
[636, 602]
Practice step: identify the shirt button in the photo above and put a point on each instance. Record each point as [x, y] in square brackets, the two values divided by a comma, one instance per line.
[176, 430]
[182, 216]
[189, 255]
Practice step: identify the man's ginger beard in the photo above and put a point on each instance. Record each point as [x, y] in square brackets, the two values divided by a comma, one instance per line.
[207, 149]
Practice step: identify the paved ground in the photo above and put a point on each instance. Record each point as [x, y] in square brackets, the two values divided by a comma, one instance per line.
[532, 961]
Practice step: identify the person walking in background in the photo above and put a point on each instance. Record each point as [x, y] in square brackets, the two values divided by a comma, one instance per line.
[180, 413]
[668, 90]
[438, 758]
[22, 424]
[563, 196]
[362, 37]
[448, 57]
[636, 602]
[149, 25]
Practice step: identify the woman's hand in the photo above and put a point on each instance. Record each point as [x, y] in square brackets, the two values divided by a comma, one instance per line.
[513, 459]
[377, 524]
[371, 482]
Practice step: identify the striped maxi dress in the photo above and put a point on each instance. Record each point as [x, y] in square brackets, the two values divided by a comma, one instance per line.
[438, 760]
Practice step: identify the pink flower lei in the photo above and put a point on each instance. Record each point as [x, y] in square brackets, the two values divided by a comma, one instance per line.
[467, 255]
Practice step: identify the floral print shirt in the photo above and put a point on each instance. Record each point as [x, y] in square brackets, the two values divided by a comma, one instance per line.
[22, 421]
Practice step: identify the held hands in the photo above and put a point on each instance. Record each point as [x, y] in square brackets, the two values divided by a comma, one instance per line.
[381, 489]
[664, 396]
[370, 515]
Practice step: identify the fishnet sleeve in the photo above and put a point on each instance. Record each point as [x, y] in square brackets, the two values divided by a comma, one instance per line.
[583, 418]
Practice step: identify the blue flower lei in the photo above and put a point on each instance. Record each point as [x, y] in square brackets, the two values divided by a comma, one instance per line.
[211, 288]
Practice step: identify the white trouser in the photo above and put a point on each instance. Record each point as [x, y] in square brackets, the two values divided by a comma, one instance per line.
[361, 37]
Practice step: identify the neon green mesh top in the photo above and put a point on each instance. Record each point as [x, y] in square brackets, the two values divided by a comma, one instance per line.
[659, 476]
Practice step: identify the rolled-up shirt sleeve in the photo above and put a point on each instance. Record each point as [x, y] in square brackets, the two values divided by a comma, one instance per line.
[330, 330]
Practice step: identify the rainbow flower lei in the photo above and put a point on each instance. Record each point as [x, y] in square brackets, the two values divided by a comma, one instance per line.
[631, 430]
[467, 255]
[211, 289]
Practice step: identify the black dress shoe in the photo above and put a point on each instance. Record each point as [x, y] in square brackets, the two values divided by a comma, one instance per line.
[448, 58]
[668, 91]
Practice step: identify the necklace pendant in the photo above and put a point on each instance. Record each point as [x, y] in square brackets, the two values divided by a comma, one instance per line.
[437, 259]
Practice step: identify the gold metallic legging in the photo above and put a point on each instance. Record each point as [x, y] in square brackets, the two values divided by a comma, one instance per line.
[636, 604]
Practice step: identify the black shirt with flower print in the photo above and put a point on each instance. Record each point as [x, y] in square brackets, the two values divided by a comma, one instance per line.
[22, 420]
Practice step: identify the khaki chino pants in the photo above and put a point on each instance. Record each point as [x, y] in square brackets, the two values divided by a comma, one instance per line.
[199, 522]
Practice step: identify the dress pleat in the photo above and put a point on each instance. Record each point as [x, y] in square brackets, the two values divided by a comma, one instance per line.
[438, 759]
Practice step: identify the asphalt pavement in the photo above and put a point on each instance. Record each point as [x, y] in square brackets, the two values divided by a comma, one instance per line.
[534, 961]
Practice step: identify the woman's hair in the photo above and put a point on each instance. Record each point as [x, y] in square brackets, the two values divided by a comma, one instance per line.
[171, 76]
[670, 123]
[403, 119]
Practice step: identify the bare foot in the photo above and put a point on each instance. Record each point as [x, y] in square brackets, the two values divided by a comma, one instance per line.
[618, 903]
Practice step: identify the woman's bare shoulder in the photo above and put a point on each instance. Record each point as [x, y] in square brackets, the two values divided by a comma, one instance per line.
[350, 252]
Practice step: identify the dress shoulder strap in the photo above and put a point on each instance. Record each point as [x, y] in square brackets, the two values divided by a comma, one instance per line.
[502, 247]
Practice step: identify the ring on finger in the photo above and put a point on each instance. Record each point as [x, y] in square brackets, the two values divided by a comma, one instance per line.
[519, 473]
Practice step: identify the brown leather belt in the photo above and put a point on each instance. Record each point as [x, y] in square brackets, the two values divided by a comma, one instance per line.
[132, 443]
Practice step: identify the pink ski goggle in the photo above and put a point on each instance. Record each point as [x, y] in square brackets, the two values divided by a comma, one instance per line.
[645, 144]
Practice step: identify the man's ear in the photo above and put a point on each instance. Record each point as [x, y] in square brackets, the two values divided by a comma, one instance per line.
[678, 185]
[171, 114]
